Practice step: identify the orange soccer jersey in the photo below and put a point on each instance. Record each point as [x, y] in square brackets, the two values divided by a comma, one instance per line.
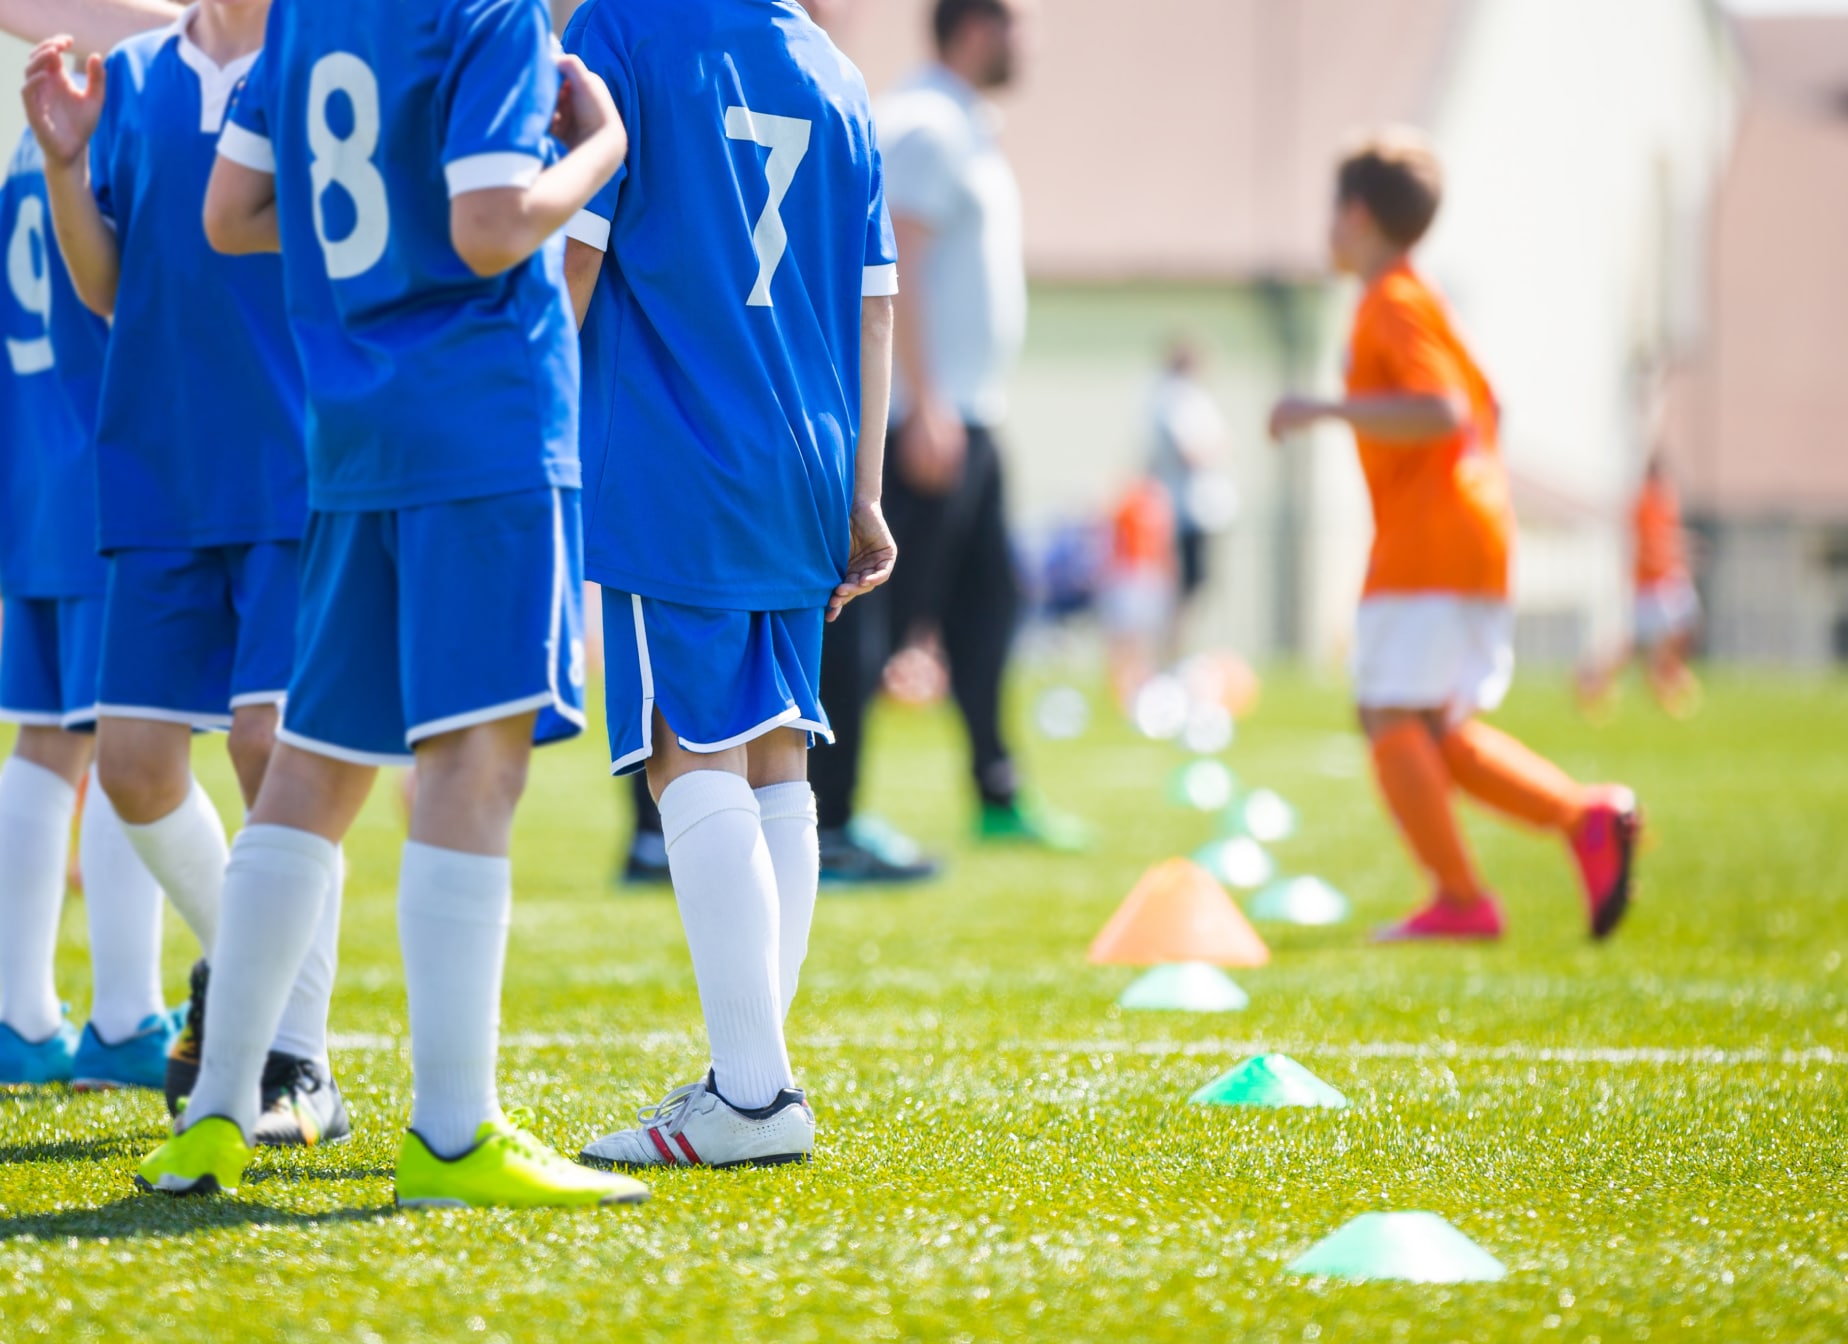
[1441, 514]
[1661, 549]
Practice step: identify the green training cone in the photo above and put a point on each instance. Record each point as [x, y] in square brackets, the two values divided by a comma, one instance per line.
[1187, 987]
[1410, 1247]
[1263, 815]
[1239, 862]
[1300, 900]
[1268, 1080]
[1205, 785]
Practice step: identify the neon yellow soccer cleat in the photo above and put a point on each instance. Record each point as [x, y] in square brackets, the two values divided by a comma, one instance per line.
[206, 1157]
[506, 1169]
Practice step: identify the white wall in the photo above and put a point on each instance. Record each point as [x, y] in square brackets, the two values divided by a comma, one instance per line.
[12, 70]
[1581, 140]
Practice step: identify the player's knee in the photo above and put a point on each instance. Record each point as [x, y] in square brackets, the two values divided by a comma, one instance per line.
[143, 786]
[250, 742]
[66, 755]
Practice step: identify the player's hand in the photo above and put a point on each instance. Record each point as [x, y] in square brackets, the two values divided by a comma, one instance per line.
[932, 446]
[63, 116]
[584, 104]
[870, 559]
[1292, 415]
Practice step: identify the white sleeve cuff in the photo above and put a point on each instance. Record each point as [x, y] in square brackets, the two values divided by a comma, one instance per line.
[589, 229]
[879, 282]
[486, 172]
[247, 148]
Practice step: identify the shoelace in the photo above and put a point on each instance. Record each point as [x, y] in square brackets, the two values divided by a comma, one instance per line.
[671, 1113]
[288, 1074]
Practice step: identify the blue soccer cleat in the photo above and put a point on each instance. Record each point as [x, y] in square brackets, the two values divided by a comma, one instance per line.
[139, 1060]
[26, 1063]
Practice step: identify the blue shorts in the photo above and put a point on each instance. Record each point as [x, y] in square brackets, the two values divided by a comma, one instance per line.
[190, 635]
[50, 648]
[719, 678]
[418, 622]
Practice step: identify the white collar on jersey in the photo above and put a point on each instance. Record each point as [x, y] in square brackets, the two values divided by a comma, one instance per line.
[216, 82]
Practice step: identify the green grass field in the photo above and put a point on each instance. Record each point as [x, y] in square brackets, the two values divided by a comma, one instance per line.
[1651, 1134]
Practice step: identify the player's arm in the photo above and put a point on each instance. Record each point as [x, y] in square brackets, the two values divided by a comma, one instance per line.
[1413, 419]
[240, 209]
[94, 25]
[494, 229]
[63, 118]
[583, 265]
[872, 552]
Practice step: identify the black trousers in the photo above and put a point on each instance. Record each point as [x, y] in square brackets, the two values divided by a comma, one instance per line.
[955, 576]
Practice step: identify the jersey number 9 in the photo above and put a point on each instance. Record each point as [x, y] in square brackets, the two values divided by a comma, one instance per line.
[346, 162]
[28, 275]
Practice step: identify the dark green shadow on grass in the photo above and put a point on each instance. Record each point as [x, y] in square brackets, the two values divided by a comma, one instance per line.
[164, 1216]
[80, 1150]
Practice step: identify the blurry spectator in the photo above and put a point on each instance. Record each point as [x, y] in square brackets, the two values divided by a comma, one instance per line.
[1188, 435]
[1141, 586]
[1667, 609]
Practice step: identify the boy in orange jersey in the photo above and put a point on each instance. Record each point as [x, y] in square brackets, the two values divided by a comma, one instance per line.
[1434, 640]
[1667, 614]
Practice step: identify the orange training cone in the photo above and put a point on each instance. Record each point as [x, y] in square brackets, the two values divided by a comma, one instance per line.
[1177, 912]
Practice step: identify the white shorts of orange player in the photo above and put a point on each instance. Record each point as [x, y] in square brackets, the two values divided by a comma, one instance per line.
[1433, 651]
[1664, 611]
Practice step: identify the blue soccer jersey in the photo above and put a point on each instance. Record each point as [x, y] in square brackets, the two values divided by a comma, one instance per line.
[426, 382]
[722, 346]
[199, 436]
[48, 387]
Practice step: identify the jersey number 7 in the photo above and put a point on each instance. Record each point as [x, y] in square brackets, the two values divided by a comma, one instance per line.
[787, 139]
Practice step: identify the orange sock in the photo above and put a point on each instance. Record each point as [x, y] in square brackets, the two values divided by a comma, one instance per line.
[1411, 773]
[1495, 769]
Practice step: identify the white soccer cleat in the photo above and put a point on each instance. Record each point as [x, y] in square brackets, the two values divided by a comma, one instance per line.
[693, 1126]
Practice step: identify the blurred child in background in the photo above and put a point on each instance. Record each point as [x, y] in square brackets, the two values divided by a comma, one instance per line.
[1667, 609]
[1434, 644]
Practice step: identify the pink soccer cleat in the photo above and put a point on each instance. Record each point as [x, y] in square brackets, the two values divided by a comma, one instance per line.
[1605, 846]
[1447, 918]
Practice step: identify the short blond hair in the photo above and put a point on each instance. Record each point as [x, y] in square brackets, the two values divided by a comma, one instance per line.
[1396, 174]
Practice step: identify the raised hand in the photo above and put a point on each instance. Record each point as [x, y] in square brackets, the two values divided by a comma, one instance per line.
[63, 115]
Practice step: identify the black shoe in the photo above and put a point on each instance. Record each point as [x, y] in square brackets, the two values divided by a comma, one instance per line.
[302, 1105]
[646, 865]
[872, 854]
[184, 1054]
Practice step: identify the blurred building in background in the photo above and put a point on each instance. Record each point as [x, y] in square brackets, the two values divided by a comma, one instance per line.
[1758, 417]
[1175, 157]
[1646, 206]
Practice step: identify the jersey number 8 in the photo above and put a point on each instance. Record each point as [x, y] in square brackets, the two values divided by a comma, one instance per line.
[346, 162]
[28, 275]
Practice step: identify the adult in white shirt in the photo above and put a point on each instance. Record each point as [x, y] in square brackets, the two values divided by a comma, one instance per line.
[961, 316]
[1187, 435]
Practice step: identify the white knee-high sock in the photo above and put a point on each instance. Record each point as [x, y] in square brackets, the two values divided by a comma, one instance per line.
[453, 914]
[186, 852]
[35, 842]
[303, 1030]
[795, 853]
[123, 902]
[726, 889]
[275, 889]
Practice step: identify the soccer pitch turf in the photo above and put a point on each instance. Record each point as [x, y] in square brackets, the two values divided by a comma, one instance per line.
[1650, 1133]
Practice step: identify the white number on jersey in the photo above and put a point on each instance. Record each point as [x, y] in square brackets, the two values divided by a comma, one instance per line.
[348, 164]
[787, 139]
[28, 275]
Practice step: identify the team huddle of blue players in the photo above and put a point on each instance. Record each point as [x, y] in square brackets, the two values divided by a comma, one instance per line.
[303, 442]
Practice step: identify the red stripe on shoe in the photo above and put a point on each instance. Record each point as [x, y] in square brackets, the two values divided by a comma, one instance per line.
[687, 1148]
[667, 1154]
